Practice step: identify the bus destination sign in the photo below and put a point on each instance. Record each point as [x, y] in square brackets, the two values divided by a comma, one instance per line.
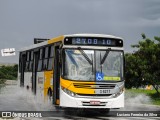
[93, 41]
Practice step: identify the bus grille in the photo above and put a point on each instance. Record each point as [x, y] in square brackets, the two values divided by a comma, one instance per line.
[94, 86]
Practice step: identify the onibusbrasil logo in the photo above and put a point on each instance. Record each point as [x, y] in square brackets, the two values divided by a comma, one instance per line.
[20, 114]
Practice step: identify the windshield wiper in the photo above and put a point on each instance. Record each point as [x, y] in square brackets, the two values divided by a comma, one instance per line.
[105, 56]
[86, 57]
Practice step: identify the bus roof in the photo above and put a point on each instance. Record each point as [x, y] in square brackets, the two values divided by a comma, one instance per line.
[60, 38]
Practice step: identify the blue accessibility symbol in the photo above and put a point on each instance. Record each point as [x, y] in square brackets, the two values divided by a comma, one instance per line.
[99, 76]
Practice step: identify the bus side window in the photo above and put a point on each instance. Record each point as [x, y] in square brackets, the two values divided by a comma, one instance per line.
[51, 57]
[40, 60]
[27, 61]
[45, 61]
[31, 61]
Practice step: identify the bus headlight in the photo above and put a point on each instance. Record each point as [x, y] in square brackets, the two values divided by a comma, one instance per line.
[68, 92]
[118, 93]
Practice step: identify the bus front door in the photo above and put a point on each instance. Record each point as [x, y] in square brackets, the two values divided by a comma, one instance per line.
[56, 78]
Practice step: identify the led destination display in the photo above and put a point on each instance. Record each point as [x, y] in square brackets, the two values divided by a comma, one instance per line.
[93, 41]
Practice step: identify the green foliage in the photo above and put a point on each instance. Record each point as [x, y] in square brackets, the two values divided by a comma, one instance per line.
[143, 66]
[143, 36]
[9, 72]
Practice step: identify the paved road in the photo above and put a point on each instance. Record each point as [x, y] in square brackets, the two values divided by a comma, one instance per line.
[13, 98]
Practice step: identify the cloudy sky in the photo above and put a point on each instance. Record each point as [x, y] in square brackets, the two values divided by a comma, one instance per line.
[23, 20]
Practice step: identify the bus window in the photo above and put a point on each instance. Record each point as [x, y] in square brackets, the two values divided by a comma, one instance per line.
[111, 69]
[51, 51]
[31, 61]
[28, 55]
[45, 61]
[46, 52]
[27, 66]
[76, 65]
[39, 65]
[40, 60]
[79, 66]
[50, 63]
[41, 54]
[31, 55]
[27, 61]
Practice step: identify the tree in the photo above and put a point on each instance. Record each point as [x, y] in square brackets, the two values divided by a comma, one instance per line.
[144, 64]
[9, 72]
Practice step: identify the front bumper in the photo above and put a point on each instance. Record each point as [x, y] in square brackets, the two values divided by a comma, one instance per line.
[90, 102]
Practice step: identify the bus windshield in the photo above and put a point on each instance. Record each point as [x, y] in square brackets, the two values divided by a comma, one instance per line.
[93, 65]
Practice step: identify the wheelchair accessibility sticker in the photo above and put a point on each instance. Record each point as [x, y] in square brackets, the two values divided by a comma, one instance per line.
[99, 76]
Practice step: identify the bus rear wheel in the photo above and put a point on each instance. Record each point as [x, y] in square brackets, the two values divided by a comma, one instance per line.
[49, 94]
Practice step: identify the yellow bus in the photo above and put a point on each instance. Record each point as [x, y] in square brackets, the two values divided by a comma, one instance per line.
[78, 70]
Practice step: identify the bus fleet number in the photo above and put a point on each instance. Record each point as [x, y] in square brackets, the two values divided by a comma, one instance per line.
[104, 91]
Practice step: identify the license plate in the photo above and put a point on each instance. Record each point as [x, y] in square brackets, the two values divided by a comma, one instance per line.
[95, 102]
[103, 91]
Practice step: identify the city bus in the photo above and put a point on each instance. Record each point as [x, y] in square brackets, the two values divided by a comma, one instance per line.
[76, 71]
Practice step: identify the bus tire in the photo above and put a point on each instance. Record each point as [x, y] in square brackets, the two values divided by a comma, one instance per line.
[49, 94]
[27, 87]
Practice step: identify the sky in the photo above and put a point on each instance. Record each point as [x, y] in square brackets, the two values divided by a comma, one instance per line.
[23, 20]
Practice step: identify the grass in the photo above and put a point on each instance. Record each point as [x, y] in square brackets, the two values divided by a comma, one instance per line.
[155, 98]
